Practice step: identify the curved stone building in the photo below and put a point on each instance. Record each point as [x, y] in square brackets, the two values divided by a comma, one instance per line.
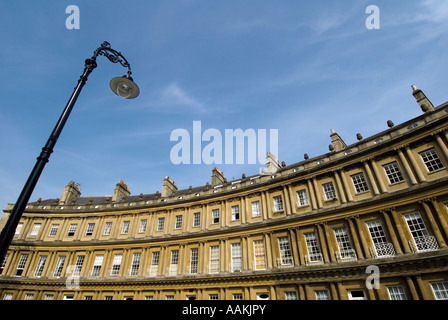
[364, 221]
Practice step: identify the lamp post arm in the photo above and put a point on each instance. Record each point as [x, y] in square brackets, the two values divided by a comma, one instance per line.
[8, 231]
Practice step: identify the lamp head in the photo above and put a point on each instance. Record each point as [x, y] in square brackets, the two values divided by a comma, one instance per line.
[124, 87]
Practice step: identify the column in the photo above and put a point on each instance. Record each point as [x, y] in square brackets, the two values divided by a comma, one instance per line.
[312, 195]
[392, 233]
[347, 189]
[378, 176]
[414, 164]
[363, 239]
[295, 251]
[269, 254]
[406, 167]
[412, 289]
[340, 188]
[334, 291]
[358, 249]
[442, 146]
[299, 247]
[323, 243]
[243, 210]
[440, 217]
[433, 223]
[371, 178]
[423, 289]
[318, 197]
[292, 199]
[287, 201]
[263, 206]
[329, 242]
[401, 234]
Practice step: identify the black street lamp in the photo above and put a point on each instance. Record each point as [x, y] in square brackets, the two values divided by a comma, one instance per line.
[121, 86]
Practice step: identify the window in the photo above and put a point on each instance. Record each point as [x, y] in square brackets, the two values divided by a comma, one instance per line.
[3, 263]
[285, 251]
[160, 224]
[213, 297]
[235, 213]
[40, 266]
[396, 293]
[18, 229]
[35, 231]
[7, 296]
[169, 297]
[345, 248]
[135, 265]
[440, 290]
[97, 265]
[107, 228]
[214, 259]
[59, 266]
[174, 262]
[278, 204]
[422, 240]
[116, 265]
[302, 199]
[236, 264]
[29, 296]
[393, 172]
[322, 295]
[259, 255]
[381, 246]
[78, 266]
[89, 230]
[196, 219]
[49, 296]
[194, 261]
[256, 209]
[329, 192]
[215, 216]
[53, 230]
[21, 265]
[154, 269]
[68, 297]
[263, 296]
[142, 227]
[237, 296]
[312, 246]
[125, 227]
[178, 224]
[356, 295]
[291, 295]
[360, 183]
[71, 230]
[431, 160]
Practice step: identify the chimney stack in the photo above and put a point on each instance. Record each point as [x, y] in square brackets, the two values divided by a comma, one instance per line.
[70, 194]
[217, 177]
[422, 100]
[168, 187]
[337, 141]
[121, 191]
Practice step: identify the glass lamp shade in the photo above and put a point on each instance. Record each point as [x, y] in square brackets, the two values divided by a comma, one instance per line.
[124, 87]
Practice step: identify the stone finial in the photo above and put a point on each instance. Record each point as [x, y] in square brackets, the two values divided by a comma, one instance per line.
[168, 187]
[337, 141]
[422, 100]
[390, 123]
[217, 177]
[70, 194]
[121, 191]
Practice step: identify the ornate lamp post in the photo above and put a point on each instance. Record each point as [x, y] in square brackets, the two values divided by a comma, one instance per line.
[122, 86]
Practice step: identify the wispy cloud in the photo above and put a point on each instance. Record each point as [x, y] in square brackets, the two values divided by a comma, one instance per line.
[173, 95]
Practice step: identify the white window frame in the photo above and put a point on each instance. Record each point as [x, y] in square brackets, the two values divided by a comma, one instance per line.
[329, 191]
[135, 264]
[35, 230]
[360, 183]
[235, 212]
[78, 266]
[107, 228]
[322, 295]
[196, 219]
[440, 290]
[194, 260]
[90, 228]
[160, 223]
[312, 246]
[53, 230]
[116, 265]
[125, 227]
[178, 224]
[96, 269]
[286, 257]
[393, 172]
[236, 264]
[214, 259]
[256, 212]
[431, 160]
[215, 216]
[396, 293]
[59, 266]
[21, 265]
[302, 198]
[143, 224]
[40, 266]
[72, 230]
[278, 204]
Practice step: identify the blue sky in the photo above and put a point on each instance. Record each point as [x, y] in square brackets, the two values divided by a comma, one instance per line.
[302, 67]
